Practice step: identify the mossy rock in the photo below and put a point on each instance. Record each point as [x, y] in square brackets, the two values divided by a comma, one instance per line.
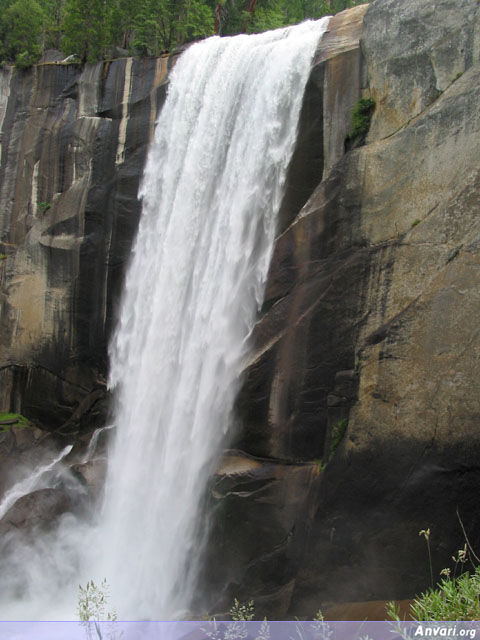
[12, 419]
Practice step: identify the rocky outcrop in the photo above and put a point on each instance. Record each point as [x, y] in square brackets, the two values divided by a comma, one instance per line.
[35, 511]
[302, 354]
[371, 315]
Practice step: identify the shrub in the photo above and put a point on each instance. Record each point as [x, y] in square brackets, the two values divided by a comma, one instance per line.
[242, 611]
[92, 608]
[360, 123]
[44, 206]
[25, 60]
[452, 599]
[338, 431]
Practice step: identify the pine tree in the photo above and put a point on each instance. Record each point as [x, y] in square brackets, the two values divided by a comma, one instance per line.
[120, 22]
[84, 29]
[52, 26]
[154, 29]
[21, 26]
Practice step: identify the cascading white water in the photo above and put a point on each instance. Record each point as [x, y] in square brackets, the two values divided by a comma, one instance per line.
[38, 479]
[212, 187]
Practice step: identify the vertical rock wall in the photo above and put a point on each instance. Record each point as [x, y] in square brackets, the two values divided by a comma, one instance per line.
[369, 336]
[73, 143]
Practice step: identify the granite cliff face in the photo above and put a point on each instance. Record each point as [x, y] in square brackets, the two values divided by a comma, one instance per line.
[74, 142]
[370, 316]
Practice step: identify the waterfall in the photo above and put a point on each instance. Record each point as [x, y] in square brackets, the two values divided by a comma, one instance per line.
[213, 184]
[212, 187]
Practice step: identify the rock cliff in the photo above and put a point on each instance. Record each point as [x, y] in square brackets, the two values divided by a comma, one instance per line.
[73, 147]
[360, 408]
[372, 306]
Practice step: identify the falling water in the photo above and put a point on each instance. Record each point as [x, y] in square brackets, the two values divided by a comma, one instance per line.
[38, 479]
[212, 187]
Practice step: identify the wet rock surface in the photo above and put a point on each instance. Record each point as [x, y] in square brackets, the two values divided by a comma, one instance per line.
[372, 319]
[37, 510]
[67, 222]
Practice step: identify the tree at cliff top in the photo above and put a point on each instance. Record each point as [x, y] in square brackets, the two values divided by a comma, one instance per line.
[21, 27]
[261, 15]
[84, 29]
[52, 31]
[160, 25]
[87, 28]
[121, 15]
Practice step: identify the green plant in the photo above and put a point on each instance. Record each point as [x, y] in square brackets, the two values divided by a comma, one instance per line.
[361, 117]
[426, 534]
[338, 431]
[242, 611]
[392, 611]
[264, 631]
[415, 222]
[452, 599]
[92, 608]
[25, 60]
[3, 256]
[321, 464]
[44, 206]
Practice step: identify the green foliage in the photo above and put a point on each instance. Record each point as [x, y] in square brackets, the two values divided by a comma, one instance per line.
[161, 25]
[90, 28]
[242, 611]
[338, 431]
[153, 30]
[361, 118]
[92, 607]
[452, 599]
[3, 256]
[392, 611]
[84, 29]
[415, 222]
[120, 22]
[52, 28]
[196, 21]
[44, 206]
[21, 28]
[22, 421]
[272, 14]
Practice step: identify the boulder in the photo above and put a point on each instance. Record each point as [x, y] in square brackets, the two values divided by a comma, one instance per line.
[37, 510]
[92, 474]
